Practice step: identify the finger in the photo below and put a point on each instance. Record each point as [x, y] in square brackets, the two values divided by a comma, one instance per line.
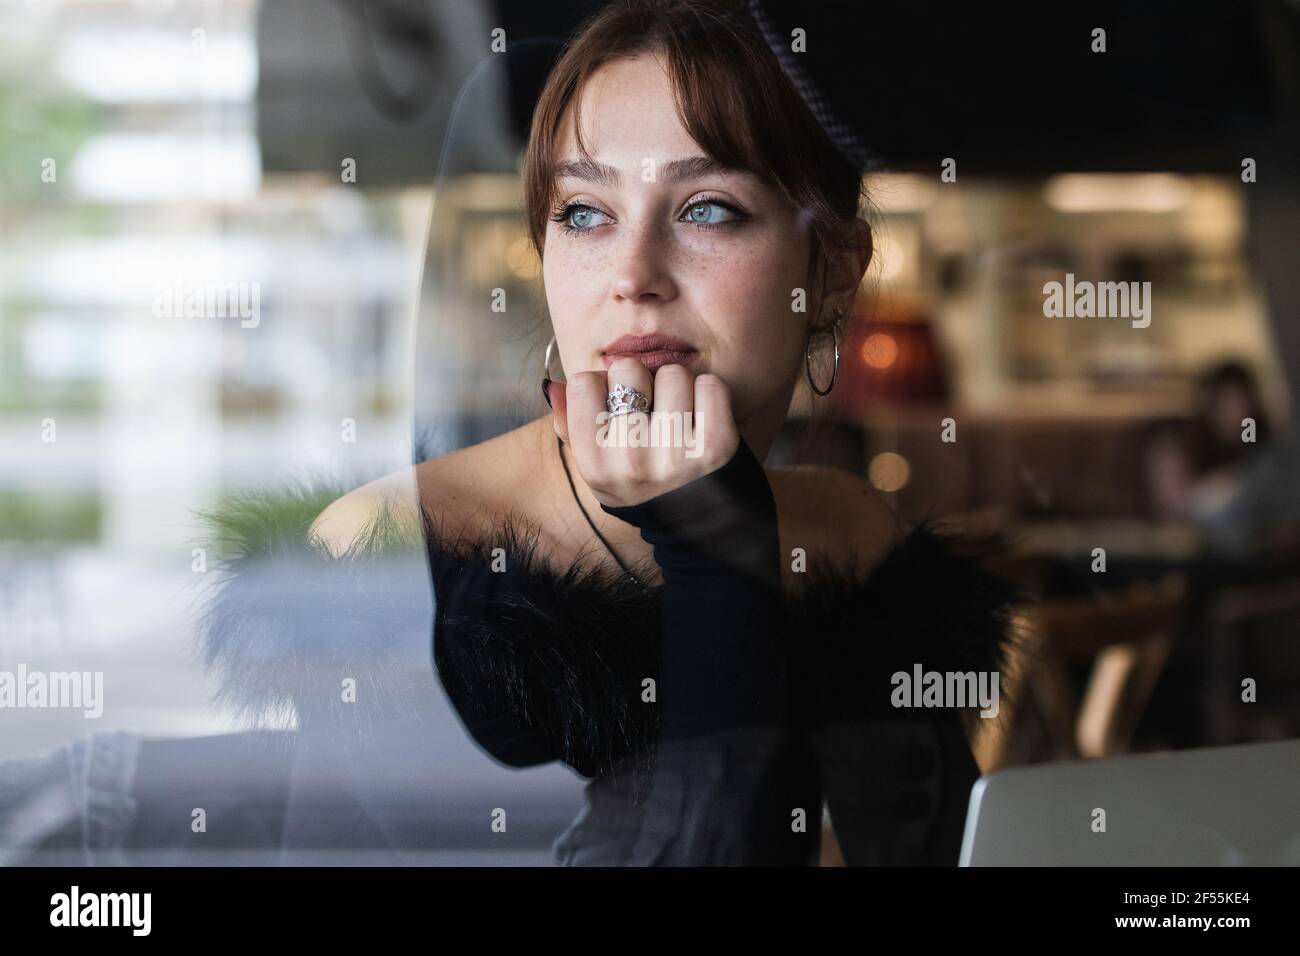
[630, 373]
[673, 410]
[584, 396]
[559, 410]
[715, 428]
[674, 389]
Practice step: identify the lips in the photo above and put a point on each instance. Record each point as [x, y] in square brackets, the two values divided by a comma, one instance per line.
[653, 351]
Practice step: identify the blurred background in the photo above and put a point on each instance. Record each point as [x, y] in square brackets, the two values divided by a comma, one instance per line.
[242, 243]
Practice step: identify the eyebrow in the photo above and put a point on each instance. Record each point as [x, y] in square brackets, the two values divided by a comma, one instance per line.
[677, 170]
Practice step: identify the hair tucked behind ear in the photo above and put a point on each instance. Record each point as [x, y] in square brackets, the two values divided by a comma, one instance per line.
[733, 97]
[737, 103]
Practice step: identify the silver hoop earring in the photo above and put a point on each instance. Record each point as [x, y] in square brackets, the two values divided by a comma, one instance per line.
[546, 362]
[834, 331]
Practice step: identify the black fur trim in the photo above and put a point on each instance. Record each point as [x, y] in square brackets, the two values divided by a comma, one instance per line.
[282, 624]
[932, 601]
[563, 653]
[558, 655]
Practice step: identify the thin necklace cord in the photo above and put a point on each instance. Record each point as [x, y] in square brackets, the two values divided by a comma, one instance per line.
[559, 444]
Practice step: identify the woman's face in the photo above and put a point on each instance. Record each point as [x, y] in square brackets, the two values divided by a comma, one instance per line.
[707, 256]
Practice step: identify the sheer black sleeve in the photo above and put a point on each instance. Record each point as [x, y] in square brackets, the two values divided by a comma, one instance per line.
[732, 782]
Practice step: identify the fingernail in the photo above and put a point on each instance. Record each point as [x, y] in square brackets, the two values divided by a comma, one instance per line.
[546, 384]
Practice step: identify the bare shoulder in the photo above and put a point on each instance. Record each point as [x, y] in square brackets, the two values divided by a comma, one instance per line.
[835, 511]
[440, 487]
[344, 520]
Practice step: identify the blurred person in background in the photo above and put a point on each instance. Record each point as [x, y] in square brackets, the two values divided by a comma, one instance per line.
[1229, 473]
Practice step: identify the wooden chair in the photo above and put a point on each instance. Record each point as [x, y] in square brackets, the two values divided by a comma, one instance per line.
[1126, 638]
[1231, 614]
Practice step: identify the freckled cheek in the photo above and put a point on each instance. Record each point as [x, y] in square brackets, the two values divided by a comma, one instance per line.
[574, 281]
[750, 299]
[570, 265]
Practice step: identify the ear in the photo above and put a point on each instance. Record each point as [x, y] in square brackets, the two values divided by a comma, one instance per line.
[844, 269]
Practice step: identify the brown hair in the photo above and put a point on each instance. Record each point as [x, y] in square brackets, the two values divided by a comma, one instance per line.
[732, 96]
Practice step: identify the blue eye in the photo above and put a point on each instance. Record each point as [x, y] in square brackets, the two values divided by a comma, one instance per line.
[706, 213]
[576, 217]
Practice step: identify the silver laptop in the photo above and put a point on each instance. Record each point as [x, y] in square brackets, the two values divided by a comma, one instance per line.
[1216, 806]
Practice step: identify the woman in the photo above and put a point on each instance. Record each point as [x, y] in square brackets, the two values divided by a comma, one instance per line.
[1226, 471]
[645, 611]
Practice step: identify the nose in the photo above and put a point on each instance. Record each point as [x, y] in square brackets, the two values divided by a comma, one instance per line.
[640, 268]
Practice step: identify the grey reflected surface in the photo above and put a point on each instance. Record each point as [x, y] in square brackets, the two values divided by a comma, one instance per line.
[1217, 806]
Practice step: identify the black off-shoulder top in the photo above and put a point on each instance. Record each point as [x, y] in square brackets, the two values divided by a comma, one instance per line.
[714, 715]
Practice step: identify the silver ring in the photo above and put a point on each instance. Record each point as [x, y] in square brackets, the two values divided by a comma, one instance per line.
[624, 398]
